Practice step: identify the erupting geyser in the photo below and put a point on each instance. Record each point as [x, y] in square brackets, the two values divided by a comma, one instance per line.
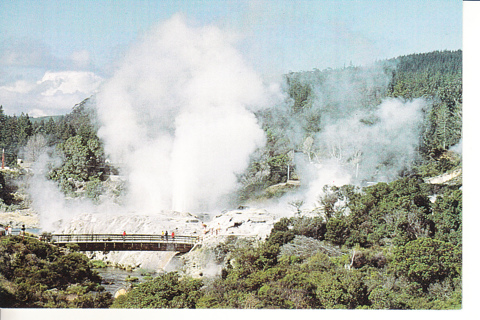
[177, 114]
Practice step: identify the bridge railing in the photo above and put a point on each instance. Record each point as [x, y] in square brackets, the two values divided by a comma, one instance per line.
[73, 238]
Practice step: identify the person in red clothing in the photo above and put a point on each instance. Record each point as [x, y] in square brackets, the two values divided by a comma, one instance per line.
[173, 235]
[124, 234]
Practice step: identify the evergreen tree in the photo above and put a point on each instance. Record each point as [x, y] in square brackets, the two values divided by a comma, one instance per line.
[25, 129]
[50, 126]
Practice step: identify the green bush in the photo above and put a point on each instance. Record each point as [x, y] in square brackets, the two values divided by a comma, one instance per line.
[447, 215]
[40, 274]
[131, 279]
[165, 291]
[98, 264]
[426, 261]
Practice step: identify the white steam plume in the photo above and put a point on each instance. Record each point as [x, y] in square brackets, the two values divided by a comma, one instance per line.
[382, 143]
[176, 116]
[53, 208]
[356, 151]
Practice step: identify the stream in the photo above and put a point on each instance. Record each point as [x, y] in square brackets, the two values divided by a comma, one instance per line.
[114, 278]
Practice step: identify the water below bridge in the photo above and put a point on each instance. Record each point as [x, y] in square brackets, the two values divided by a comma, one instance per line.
[114, 279]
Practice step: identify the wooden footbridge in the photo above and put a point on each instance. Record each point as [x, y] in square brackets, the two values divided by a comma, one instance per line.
[132, 242]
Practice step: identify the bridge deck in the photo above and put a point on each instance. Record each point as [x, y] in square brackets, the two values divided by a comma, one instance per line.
[132, 242]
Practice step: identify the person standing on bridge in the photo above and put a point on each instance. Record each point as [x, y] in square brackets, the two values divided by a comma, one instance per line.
[124, 234]
[166, 235]
[173, 235]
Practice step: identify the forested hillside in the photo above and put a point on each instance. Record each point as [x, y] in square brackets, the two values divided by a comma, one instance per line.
[436, 76]
[328, 110]
[15, 132]
[71, 138]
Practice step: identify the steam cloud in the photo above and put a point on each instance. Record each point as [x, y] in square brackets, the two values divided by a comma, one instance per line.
[176, 116]
[362, 138]
[47, 199]
[356, 152]
[391, 140]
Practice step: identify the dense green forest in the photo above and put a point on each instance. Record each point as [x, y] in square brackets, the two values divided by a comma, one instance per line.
[35, 274]
[391, 245]
[71, 138]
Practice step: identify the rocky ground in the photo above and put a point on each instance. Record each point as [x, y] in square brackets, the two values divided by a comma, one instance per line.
[449, 178]
[17, 218]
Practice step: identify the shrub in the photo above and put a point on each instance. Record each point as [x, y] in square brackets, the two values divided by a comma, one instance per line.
[165, 291]
[426, 261]
[98, 264]
[37, 273]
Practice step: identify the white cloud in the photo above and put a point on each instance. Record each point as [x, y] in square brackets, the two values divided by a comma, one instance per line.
[69, 82]
[35, 81]
[20, 86]
[55, 93]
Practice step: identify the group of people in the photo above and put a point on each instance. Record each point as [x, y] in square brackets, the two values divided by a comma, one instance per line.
[6, 231]
[165, 235]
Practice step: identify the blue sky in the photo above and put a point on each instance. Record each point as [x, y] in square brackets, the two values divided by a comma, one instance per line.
[53, 43]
